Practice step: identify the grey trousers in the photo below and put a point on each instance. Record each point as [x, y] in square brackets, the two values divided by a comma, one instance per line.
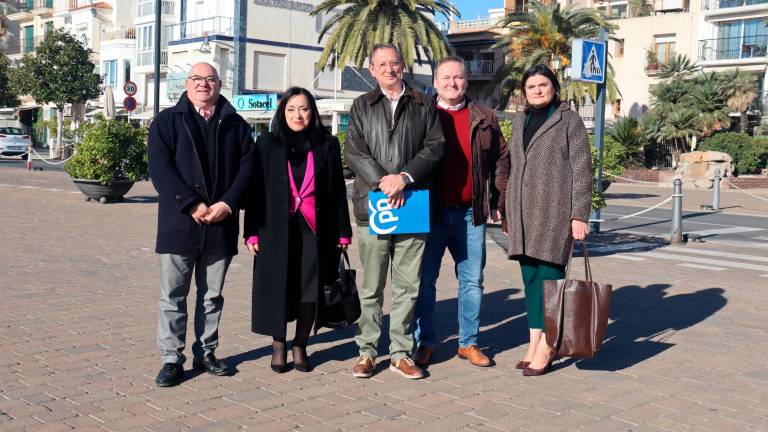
[376, 251]
[175, 281]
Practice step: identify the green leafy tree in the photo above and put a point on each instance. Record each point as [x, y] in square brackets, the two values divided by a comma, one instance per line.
[741, 89]
[59, 72]
[543, 33]
[7, 94]
[749, 154]
[357, 25]
[640, 8]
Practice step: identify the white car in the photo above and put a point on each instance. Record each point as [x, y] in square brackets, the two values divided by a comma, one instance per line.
[13, 142]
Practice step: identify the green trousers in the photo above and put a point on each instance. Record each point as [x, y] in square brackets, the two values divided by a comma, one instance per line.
[404, 251]
[534, 273]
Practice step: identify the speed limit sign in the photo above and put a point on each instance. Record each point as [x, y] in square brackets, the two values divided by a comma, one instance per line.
[130, 88]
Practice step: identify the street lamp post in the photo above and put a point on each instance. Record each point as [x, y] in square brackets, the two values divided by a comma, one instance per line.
[158, 35]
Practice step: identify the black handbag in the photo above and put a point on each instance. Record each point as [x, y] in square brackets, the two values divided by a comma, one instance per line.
[341, 306]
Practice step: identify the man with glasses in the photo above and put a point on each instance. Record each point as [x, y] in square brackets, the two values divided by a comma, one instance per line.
[201, 155]
[394, 142]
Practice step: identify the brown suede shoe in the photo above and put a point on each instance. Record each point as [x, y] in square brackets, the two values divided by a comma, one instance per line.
[474, 355]
[423, 355]
[363, 368]
[406, 368]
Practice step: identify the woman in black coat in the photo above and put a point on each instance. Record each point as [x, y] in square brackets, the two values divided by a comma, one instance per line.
[296, 226]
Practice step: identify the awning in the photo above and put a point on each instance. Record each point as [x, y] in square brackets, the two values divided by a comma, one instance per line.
[257, 116]
[146, 115]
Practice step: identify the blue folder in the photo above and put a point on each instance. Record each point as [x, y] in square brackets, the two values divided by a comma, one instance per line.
[411, 218]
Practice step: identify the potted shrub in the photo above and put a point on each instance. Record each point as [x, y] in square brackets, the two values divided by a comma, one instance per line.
[112, 156]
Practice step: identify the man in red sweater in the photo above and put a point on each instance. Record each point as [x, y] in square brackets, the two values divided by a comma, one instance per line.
[466, 198]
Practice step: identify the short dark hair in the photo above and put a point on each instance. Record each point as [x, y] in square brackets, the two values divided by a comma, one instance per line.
[380, 46]
[451, 59]
[545, 71]
[280, 127]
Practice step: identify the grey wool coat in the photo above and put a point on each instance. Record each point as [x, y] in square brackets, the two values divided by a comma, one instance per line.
[547, 186]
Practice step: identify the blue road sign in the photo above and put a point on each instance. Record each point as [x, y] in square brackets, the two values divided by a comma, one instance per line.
[588, 61]
[411, 218]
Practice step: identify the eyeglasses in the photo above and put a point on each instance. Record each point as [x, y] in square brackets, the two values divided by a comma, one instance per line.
[383, 66]
[198, 80]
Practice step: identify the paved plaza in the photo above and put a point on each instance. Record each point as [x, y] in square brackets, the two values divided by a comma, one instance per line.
[686, 348]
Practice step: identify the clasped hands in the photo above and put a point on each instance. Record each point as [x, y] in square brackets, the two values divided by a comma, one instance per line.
[202, 214]
[393, 185]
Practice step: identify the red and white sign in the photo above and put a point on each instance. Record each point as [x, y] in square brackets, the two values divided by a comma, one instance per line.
[130, 88]
[129, 103]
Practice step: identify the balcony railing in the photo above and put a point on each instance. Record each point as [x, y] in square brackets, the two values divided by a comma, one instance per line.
[724, 4]
[478, 24]
[746, 47]
[147, 8]
[30, 5]
[203, 27]
[118, 33]
[147, 58]
[654, 67]
[75, 4]
[476, 68]
[22, 45]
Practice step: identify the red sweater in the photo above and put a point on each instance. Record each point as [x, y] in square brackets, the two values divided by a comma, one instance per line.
[455, 185]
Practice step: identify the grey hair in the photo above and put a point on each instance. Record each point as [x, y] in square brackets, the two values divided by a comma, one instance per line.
[381, 46]
[452, 59]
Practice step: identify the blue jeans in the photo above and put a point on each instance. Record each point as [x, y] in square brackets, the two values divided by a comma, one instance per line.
[466, 243]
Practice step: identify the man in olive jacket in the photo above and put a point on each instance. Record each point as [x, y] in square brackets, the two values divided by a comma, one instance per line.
[394, 142]
[200, 160]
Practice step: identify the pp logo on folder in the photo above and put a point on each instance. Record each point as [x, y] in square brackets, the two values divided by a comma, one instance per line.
[411, 218]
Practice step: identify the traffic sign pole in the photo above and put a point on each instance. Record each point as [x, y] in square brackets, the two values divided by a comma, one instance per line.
[594, 225]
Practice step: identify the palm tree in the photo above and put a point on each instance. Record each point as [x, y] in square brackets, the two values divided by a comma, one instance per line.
[627, 132]
[357, 25]
[543, 33]
[740, 91]
[678, 66]
[708, 97]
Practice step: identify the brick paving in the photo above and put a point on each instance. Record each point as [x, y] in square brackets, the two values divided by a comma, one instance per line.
[685, 351]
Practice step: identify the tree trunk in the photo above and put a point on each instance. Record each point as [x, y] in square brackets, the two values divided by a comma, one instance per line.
[59, 152]
[743, 121]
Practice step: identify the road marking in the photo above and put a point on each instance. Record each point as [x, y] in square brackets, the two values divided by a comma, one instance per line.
[732, 230]
[669, 219]
[761, 238]
[53, 190]
[702, 261]
[765, 275]
[715, 253]
[697, 266]
[627, 257]
[29, 187]
[620, 247]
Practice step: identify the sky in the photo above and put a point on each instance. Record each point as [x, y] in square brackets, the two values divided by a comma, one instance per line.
[471, 9]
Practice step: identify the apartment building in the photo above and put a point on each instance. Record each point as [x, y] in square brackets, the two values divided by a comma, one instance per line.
[26, 24]
[734, 34]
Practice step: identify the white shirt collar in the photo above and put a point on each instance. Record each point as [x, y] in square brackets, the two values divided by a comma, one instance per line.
[442, 104]
[402, 92]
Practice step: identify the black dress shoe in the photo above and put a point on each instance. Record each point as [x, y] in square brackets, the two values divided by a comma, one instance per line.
[170, 375]
[212, 365]
[301, 359]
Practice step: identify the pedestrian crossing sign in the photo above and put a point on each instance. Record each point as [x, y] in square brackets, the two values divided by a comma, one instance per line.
[588, 61]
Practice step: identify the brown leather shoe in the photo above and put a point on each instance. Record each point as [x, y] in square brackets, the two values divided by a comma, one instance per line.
[423, 355]
[474, 355]
[406, 368]
[363, 368]
[522, 365]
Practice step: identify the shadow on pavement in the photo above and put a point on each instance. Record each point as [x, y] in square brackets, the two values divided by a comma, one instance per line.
[629, 195]
[644, 318]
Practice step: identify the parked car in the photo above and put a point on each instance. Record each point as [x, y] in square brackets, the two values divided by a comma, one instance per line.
[13, 142]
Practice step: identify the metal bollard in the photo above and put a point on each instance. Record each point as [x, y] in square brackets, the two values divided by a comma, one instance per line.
[716, 192]
[677, 213]
[29, 158]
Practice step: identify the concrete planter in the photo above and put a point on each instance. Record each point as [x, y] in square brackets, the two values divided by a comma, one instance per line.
[93, 190]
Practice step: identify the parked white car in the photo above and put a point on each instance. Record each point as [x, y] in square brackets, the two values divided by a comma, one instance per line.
[13, 142]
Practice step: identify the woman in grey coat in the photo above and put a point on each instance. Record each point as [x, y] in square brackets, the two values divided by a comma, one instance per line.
[547, 194]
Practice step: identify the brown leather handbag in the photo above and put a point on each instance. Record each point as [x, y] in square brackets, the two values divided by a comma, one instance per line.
[576, 312]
